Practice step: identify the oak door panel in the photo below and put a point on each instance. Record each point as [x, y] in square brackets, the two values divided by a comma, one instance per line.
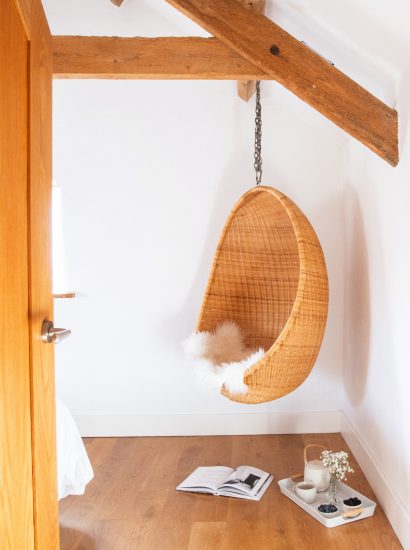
[16, 497]
[46, 529]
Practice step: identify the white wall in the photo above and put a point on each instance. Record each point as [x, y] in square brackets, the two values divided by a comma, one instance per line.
[149, 172]
[377, 293]
[377, 328]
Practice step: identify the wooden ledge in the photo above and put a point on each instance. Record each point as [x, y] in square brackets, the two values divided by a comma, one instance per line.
[64, 295]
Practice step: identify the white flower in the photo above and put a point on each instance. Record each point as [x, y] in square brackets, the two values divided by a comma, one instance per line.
[337, 464]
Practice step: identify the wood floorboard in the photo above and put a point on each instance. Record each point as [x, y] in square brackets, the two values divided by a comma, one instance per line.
[132, 503]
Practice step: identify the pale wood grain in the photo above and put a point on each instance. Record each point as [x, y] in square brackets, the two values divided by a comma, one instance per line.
[132, 502]
[247, 88]
[300, 70]
[208, 535]
[16, 494]
[149, 58]
[24, 9]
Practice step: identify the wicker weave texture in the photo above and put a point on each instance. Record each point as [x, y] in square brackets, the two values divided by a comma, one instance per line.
[269, 276]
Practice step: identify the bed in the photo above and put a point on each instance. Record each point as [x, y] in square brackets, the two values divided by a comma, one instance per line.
[74, 469]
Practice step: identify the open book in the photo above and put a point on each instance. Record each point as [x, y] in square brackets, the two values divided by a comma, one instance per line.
[244, 482]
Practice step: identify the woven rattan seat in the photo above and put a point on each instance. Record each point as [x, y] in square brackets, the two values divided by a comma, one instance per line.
[269, 276]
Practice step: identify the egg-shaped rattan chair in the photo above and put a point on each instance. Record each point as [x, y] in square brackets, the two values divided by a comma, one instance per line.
[269, 276]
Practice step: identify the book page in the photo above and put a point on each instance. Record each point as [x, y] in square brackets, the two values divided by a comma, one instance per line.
[245, 479]
[225, 492]
[210, 477]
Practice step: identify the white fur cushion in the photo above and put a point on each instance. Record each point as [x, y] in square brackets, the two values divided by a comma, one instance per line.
[221, 358]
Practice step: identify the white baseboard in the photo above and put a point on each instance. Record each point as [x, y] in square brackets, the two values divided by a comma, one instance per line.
[388, 499]
[209, 424]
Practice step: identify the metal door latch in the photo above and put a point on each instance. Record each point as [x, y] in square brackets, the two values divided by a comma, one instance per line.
[51, 335]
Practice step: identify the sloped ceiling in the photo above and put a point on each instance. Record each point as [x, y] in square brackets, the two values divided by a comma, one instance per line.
[134, 18]
[367, 39]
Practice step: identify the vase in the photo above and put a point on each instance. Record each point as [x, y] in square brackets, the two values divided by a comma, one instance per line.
[332, 492]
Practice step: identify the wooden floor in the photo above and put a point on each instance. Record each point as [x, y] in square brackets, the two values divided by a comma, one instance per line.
[132, 503]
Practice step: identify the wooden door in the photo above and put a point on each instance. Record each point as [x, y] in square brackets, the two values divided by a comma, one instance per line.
[16, 501]
[28, 499]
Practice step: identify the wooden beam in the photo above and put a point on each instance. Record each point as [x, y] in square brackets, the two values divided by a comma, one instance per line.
[257, 5]
[300, 70]
[149, 58]
[247, 88]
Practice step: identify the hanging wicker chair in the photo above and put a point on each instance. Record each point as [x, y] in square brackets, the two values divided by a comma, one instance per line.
[269, 277]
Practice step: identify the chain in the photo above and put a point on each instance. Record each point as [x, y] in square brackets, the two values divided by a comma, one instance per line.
[258, 135]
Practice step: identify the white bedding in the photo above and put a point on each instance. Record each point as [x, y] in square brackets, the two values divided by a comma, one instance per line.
[74, 469]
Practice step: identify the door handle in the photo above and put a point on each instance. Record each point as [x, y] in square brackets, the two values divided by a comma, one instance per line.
[52, 335]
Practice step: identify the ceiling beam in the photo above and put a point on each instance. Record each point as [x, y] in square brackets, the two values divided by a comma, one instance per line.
[149, 58]
[302, 71]
[247, 88]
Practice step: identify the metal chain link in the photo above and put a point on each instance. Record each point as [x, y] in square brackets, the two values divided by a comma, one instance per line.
[258, 135]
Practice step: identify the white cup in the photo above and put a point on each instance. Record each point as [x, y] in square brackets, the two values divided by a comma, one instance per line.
[306, 491]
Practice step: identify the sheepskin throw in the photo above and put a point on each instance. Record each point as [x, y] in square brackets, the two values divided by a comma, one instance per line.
[221, 357]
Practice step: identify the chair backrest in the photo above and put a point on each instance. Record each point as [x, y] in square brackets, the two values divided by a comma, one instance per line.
[255, 274]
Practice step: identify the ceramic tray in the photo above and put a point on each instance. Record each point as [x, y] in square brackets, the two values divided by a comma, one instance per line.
[287, 486]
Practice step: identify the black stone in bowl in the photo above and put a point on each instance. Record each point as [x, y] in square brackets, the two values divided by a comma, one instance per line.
[352, 502]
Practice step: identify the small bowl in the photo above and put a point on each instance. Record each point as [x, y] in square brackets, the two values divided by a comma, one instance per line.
[348, 507]
[329, 514]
